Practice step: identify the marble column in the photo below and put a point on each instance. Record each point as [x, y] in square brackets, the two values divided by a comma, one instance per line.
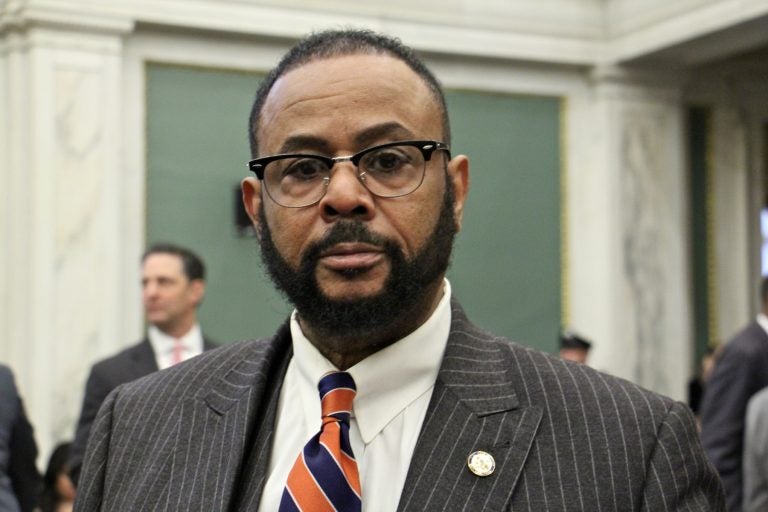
[60, 191]
[733, 291]
[735, 94]
[628, 222]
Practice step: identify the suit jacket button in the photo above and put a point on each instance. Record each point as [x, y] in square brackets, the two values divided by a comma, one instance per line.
[481, 463]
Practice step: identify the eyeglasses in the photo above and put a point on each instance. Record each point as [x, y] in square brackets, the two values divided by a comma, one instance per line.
[389, 170]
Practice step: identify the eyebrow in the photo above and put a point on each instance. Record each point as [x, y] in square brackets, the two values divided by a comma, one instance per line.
[390, 130]
[296, 143]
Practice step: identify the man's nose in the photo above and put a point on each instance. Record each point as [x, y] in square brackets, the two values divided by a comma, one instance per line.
[346, 195]
[149, 289]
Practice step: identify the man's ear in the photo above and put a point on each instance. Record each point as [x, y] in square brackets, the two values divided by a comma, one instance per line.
[198, 290]
[251, 188]
[458, 173]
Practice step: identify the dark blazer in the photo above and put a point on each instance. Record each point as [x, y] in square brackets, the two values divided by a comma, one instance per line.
[197, 437]
[20, 482]
[129, 364]
[741, 370]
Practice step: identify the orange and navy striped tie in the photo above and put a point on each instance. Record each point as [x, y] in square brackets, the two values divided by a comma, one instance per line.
[324, 476]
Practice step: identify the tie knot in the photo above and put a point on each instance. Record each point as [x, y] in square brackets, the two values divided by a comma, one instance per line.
[337, 390]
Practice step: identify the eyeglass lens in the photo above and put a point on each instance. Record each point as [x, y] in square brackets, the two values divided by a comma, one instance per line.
[385, 171]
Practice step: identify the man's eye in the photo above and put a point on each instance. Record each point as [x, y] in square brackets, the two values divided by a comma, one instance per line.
[386, 161]
[303, 169]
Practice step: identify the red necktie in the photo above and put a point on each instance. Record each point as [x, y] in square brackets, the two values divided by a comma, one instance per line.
[324, 476]
[178, 351]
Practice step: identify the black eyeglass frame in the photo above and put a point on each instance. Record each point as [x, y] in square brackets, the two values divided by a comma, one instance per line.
[427, 148]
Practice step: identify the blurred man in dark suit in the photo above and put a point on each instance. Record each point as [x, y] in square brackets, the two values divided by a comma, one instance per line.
[741, 370]
[173, 284]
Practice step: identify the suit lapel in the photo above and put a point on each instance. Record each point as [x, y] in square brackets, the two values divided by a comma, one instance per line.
[259, 447]
[473, 408]
[215, 428]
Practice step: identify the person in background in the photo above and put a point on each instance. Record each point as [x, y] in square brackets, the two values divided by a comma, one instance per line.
[574, 347]
[698, 384]
[58, 490]
[173, 287]
[378, 393]
[19, 478]
[740, 371]
[755, 457]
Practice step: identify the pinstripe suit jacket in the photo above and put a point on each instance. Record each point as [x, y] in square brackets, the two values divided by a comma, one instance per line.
[564, 437]
[129, 364]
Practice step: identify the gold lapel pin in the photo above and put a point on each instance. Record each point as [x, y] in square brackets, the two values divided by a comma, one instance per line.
[481, 463]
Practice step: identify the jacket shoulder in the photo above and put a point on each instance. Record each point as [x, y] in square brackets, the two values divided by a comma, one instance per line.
[581, 385]
[542, 378]
[118, 360]
[750, 340]
[198, 375]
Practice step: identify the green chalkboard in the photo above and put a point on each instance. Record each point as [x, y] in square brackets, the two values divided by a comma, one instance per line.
[196, 153]
[507, 262]
[506, 268]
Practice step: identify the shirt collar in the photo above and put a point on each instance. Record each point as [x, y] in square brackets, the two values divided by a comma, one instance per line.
[388, 380]
[162, 343]
[762, 320]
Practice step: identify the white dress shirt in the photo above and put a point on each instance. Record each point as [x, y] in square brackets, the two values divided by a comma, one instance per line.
[163, 345]
[394, 386]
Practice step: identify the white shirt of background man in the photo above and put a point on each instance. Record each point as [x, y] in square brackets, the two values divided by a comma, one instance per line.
[163, 345]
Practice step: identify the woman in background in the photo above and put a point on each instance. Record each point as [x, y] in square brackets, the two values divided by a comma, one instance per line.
[19, 477]
[58, 491]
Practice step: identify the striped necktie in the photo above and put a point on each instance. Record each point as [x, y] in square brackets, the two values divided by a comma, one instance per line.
[324, 476]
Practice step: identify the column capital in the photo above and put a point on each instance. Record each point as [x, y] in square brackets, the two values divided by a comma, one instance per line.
[21, 15]
[621, 82]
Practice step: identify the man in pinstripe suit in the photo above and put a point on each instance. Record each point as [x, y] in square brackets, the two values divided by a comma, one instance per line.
[356, 201]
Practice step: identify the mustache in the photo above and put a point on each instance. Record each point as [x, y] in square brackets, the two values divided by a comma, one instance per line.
[346, 231]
